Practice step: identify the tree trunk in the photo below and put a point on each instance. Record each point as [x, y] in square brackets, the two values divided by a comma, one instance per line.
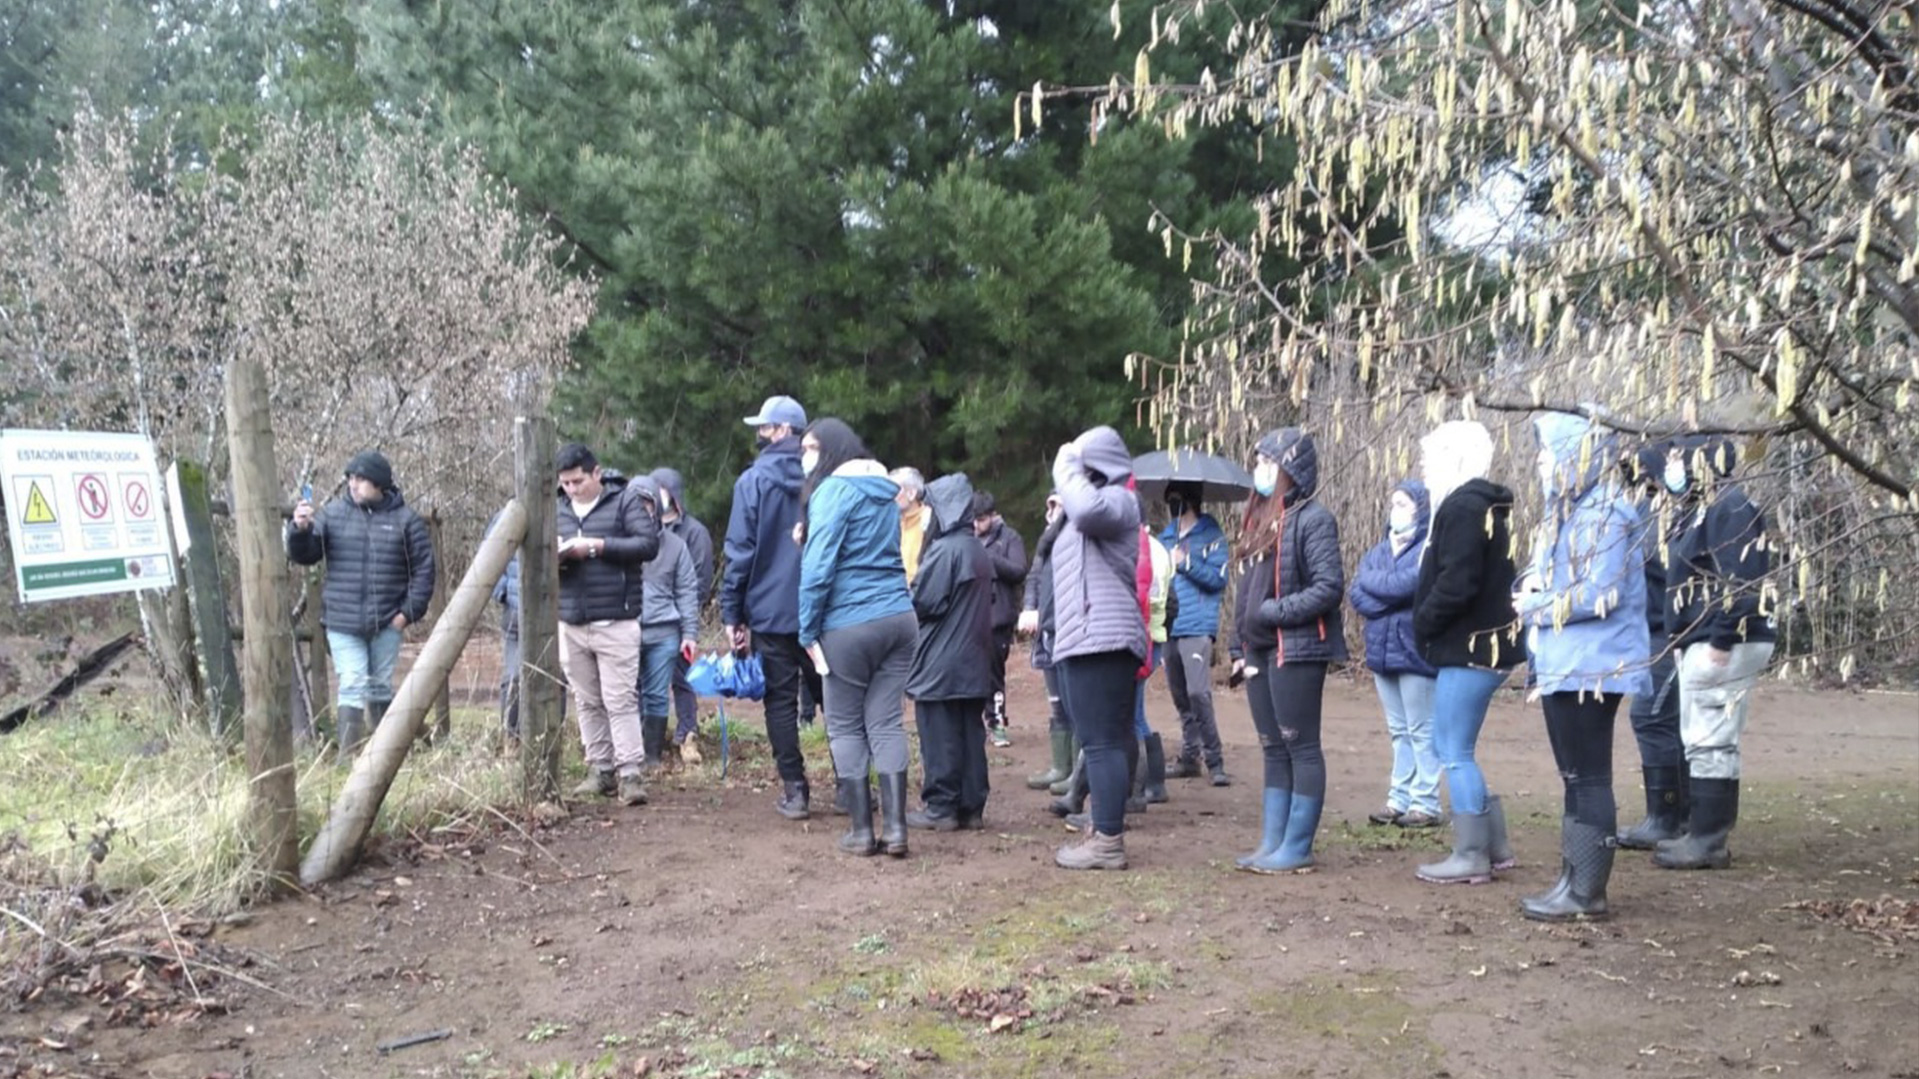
[263, 602]
[435, 610]
[540, 681]
[187, 483]
[337, 847]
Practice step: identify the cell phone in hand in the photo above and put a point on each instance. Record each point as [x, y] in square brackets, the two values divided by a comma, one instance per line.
[306, 492]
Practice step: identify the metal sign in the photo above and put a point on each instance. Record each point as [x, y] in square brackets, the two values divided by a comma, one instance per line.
[81, 514]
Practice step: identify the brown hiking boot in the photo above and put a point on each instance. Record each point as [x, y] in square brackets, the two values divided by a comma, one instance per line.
[690, 750]
[1099, 851]
[632, 790]
[599, 782]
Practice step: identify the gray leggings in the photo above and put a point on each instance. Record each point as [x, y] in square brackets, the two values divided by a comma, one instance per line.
[866, 693]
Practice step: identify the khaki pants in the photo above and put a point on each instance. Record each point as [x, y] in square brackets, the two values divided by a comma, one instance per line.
[602, 665]
[1713, 703]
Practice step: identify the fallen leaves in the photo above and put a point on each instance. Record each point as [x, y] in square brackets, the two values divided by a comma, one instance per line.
[1887, 919]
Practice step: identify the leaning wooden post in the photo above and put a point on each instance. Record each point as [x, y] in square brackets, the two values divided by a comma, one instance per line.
[269, 640]
[337, 846]
[541, 726]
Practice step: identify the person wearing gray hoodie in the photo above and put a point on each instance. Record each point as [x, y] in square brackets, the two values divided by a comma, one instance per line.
[1099, 628]
[669, 633]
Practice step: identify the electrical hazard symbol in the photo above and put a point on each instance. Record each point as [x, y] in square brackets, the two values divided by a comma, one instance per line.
[39, 511]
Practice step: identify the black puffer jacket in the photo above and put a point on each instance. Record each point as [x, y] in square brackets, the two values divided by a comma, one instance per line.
[379, 562]
[1720, 557]
[1299, 612]
[1008, 552]
[609, 587]
[1463, 609]
[953, 599]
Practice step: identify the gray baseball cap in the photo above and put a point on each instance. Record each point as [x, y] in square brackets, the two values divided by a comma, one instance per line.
[779, 409]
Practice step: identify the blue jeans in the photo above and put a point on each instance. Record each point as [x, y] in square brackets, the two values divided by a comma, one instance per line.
[1461, 696]
[1407, 700]
[365, 665]
[1140, 729]
[657, 664]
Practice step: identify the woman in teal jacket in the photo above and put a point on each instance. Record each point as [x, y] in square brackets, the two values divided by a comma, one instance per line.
[856, 620]
[1583, 604]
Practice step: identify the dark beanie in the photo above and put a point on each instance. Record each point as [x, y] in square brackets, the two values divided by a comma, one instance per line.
[372, 467]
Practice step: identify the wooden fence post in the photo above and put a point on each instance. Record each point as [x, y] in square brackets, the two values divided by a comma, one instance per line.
[541, 727]
[337, 846]
[269, 640]
[435, 610]
[219, 674]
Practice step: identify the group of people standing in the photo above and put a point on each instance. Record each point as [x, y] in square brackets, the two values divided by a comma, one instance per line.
[862, 588]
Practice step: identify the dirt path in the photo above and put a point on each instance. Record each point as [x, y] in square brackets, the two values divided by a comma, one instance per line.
[705, 937]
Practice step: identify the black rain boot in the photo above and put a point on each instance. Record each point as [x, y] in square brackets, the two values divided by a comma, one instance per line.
[1072, 777]
[1557, 892]
[1136, 767]
[1664, 816]
[653, 739]
[1155, 770]
[794, 800]
[1062, 763]
[1186, 764]
[893, 813]
[841, 807]
[1073, 800]
[1587, 850]
[351, 725]
[375, 714]
[859, 838]
[1715, 808]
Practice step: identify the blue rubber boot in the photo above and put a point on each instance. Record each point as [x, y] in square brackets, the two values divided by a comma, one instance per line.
[1277, 805]
[1295, 851]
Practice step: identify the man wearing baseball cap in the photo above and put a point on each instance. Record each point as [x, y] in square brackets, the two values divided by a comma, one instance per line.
[760, 592]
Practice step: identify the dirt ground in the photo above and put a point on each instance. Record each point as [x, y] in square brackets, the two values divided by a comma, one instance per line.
[703, 936]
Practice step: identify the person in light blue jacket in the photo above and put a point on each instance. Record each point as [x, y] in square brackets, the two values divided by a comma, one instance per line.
[1583, 604]
[1200, 552]
[856, 619]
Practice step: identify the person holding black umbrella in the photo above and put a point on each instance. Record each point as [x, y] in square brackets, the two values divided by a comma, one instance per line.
[1199, 549]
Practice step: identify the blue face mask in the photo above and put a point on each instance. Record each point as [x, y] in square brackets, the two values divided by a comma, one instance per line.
[1266, 478]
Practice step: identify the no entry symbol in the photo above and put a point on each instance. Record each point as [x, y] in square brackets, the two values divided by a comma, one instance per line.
[136, 499]
[93, 498]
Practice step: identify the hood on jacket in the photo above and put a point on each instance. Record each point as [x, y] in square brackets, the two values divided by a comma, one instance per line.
[1581, 452]
[950, 500]
[1705, 456]
[1102, 450]
[1422, 504]
[670, 481]
[781, 462]
[1452, 454]
[869, 478]
[1293, 449]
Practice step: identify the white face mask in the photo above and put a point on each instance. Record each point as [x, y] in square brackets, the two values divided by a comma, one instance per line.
[810, 460]
[1402, 519]
[1676, 477]
[1266, 478]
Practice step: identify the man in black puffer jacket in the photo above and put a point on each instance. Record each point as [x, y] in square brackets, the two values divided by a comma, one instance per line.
[379, 580]
[609, 530]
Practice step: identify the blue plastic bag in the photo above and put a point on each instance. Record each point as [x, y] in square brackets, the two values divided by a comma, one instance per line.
[725, 675]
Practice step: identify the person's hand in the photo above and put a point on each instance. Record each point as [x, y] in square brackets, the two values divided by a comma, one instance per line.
[1028, 623]
[1718, 657]
[1182, 558]
[399, 621]
[303, 515]
[799, 533]
[739, 637]
[689, 649]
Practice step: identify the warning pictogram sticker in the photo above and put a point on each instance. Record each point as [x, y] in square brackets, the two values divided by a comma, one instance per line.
[136, 498]
[39, 510]
[91, 490]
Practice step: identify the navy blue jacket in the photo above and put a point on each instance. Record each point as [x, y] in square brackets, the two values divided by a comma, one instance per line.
[1383, 590]
[761, 588]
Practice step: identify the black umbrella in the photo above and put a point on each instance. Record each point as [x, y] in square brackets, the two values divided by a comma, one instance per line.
[1219, 479]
